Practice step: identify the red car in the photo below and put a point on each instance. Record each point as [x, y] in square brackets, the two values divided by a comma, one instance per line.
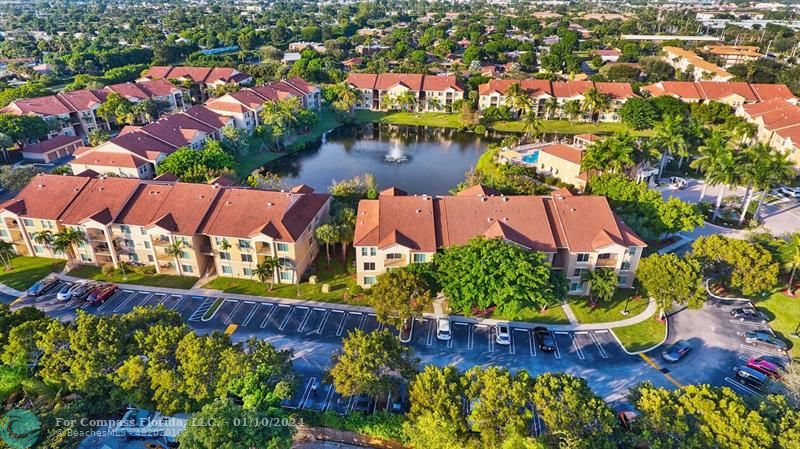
[766, 367]
[100, 294]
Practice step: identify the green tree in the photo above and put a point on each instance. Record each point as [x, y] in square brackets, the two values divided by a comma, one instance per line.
[602, 284]
[265, 270]
[670, 280]
[98, 136]
[400, 295]
[638, 113]
[213, 428]
[371, 363]
[571, 412]
[670, 137]
[491, 272]
[715, 158]
[518, 99]
[197, 166]
[498, 403]
[175, 250]
[740, 264]
[789, 254]
[117, 108]
[595, 102]
[64, 242]
[531, 126]
[327, 234]
[435, 419]
[15, 179]
[264, 378]
[573, 110]
[21, 128]
[44, 238]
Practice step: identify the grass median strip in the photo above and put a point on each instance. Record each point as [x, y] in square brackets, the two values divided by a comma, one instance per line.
[607, 311]
[149, 280]
[641, 336]
[213, 309]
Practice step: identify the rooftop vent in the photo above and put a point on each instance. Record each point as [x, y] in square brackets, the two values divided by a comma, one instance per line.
[270, 204]
[573, 209]
[228, 203]
[505, 199]
[490, 219]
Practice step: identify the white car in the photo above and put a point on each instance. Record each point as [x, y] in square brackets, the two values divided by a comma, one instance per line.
[678, 182]
[443, 329]
[791, 192]
[502, 334]
[66, 291]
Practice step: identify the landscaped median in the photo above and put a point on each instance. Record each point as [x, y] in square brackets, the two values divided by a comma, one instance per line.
[24, 271]
[641, 336]
[148, 280]
[785, 314]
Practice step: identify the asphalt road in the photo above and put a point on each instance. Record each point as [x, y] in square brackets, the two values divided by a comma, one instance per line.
[314, 333]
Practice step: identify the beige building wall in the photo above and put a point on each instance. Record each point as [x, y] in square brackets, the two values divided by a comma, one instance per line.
[624, 261]
[372, 261]
[565, 170]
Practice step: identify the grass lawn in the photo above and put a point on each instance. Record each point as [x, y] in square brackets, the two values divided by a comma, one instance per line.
[565, 127]
[338, 277]
[149, 280]
[246, 164]
[609, 310]
[785, 314]
[553, 315]
[641, 336]
[27, 270]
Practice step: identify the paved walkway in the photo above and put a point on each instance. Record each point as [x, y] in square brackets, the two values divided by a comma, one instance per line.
[648, 312]
[10, 291]
[573, 320]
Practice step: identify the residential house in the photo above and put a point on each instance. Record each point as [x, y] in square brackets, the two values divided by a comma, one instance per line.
[688, 62]
[381, 91]
[224, 228]
[576, 233]
[778, 123]
[201, 79]
[51, 149]
[136, 152]
[734, 54]
[731, 93]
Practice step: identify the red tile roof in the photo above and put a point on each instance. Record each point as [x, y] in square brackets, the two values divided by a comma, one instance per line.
[45, 106]
[412, 81]
[440, 83]
[712, 90]
[51, 144]
[46, 196]
[565, 152]
[183, 205]
[102, 199]
[80, 100]
[110, 159]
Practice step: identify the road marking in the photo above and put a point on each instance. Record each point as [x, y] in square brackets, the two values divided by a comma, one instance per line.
[286, 318]
[327, 404]
[530, 343]
[759, 350]
[250, 315]
[600, 348]
[269, 314]
[231, 329]
[119, 307]
[323, 320]
[363, 320]
[577, 348]
[344, 319]
[307, 393]
[743, 387]
[490, 338]
[658, 368]
[304, 319]
[429, 338]
[178, 302]
[236, 306]
[149, 295]
[18, 300]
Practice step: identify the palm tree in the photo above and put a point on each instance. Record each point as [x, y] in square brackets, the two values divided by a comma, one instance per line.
[265, 270]
[670, 136]
[434, 104]
[551, 107]
[346, 232]
[387, 101]
[327, 234]
[518, 99]
[778, 169]
[789, 252]
[407, 100]
[602, 284]
[346, 98]
[595, 102]
[44, 238]
[573, 110]
[531, 126]
[6, 253]
[175, 250]
[710, 152]
[5, 144]
[65, 241]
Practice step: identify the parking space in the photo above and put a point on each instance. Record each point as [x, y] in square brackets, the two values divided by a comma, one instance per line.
[172, 302]
[243, 313]
[225, 311]
[276, 317]
[566, 346]
[295, 320]
[331, 323]
[302, 390]
[154, 300]
[315, 321]
[351, 322]
[126, 305]
[482, 339]
[422, 333]
[319, 397]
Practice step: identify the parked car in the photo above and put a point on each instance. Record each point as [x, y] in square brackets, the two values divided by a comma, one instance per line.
[41, 287]
[66, 291]
[502, 334]
[781, 362]
[443, 329]
[83, 290]
[678, 182]
[791, 192]
[676, 351]
[749, 314]
[545, 339]
[100, 294]
[765, 338]
[752, 378]
[765, 366]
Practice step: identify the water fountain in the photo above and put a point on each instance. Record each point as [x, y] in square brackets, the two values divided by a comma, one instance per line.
[396, 153]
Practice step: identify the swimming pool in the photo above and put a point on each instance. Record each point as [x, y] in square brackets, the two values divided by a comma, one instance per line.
[531, 158]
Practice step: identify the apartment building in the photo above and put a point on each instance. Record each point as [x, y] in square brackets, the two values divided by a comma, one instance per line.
[217, 227]
[136, 151]
[778, 123]
[542, 92]
[688, 62]
[51, 149]
[554, 159]
[731, 93]
[245, 105]
[734, 54]
[199, 79]
[74, 113]
[385, 91]
[577, 233]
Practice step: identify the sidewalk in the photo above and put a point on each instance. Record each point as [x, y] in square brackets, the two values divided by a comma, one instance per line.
[10, 291]
[648, 312]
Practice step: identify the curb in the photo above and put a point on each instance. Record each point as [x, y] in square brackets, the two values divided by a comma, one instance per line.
[723, 298]
[666, 336]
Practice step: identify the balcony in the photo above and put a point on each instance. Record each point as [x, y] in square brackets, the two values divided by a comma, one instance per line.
[164, 256]
[395, 262]
[161, 241]
[95, 235]
[610, 262]
[264, 249]
[101, 248]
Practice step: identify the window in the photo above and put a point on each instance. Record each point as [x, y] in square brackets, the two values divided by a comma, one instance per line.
[632, 251]
[147, 244]
[625, 266]
[3, 233]
[227, 270]
[579, 272]
[369, 266]
[247, 258]
[583, 257]
[150, 258]
[285, 262]
[125, 229]
[604, 256]
[622, 280]
[363, 251]
[129, 243]
[185, 255]
[394, 256]
[247, 272]
[286, 275]
[373, 251]
[225, 256]
[420, 258]
[244, 244]
[283, 247]
[133, 257]
[85, 258]
[369, 280]
[27, 221]
[187, 268]
[47, 224]
[38, 249]
[576, 286]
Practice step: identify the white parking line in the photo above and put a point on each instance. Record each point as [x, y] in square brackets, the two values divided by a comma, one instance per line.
[555, 343]
[429, 338]
[361, 323]
[490, 338]
[344, 319]
[269, 315]
[286, 318]
[178, 302]
[742, 386]
[531, 344]
[304, 319]
[327, 404]
[149, 295]
[235, 308]
[600, 348]
[577, 348]
[119, 307]
[309, 389]
[759, 350]
[250, 315]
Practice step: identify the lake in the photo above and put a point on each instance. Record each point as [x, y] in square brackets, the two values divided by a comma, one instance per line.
[413, 158]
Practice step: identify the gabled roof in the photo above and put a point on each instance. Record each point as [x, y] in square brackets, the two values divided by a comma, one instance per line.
[101, 200]
[46, 196]
[51, 144]
[565, 152]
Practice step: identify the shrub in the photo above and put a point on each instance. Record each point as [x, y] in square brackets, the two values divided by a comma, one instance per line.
[356, 290]
[107, 269]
